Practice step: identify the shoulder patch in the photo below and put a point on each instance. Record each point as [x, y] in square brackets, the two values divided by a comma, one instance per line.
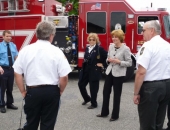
[141, 51]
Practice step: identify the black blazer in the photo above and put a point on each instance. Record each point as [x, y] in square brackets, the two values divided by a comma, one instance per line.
[98, 55]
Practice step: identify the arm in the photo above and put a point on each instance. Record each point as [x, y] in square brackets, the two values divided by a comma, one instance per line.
[128, 60]
[140, 75]
[15, 57]
[62, 83]
[20, 83]
[63, 71]
[102, 61]
[1, 70]
[108, 55]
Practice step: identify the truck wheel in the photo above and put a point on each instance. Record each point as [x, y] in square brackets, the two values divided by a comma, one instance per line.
[129, 72]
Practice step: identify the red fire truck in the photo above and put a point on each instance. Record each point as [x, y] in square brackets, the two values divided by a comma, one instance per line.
[99, 16]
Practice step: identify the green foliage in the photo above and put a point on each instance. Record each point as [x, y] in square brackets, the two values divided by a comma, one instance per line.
[75, 6]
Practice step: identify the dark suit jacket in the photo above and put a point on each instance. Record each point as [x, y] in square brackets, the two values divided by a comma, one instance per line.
[99, 55]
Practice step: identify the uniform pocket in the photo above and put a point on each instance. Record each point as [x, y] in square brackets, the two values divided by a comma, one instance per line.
[3, 55]
[13, 52]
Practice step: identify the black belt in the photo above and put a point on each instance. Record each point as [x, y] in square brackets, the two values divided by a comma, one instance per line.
[164, 80]
[7, 67]
[42, 85]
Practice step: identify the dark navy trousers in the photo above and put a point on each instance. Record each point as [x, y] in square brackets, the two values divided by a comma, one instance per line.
[154, 98]
[41, 107]
[6, 85]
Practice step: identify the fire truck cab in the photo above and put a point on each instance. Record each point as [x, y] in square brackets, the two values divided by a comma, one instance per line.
[104, 16]
[98, 16]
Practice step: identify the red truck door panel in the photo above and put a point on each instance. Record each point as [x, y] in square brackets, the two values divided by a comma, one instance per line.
[22, 28]
[119, 19]
[96, 21]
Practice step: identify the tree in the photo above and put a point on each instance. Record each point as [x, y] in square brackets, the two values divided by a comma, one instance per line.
[75, 5]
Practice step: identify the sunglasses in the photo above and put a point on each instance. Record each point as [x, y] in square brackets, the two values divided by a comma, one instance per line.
[92, 40]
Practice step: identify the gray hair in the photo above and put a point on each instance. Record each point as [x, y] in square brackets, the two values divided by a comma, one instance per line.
[154, 24]
[44, 30]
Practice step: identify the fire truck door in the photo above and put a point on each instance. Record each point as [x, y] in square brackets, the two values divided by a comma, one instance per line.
[121, 16]
[119, 20]
[96, 22]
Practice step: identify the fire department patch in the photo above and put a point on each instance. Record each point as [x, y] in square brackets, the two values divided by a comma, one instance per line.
[141, 51]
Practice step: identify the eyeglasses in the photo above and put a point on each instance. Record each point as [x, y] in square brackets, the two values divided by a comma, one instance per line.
[92, 40]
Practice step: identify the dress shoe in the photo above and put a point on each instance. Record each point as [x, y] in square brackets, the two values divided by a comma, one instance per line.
[91, 107]
[11, 106]
[112, 119]
[84, 103]
[3, 110]
[99, 115]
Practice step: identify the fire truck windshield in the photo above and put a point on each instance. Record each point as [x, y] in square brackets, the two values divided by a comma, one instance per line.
[167, 25]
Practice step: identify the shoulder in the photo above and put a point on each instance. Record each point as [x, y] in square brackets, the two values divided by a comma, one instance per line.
[101, 48]
[126, 47]
[87, 48]
[56, 51]
[1, 44]
[112, 45]
[12, 44]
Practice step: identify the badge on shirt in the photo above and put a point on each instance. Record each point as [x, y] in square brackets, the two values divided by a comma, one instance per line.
[141, 51]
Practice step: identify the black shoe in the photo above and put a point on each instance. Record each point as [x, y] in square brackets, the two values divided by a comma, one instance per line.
[84, 103]
[91, 107]
[112, 119]
[11, 106]
[3, 110]
[99, 115]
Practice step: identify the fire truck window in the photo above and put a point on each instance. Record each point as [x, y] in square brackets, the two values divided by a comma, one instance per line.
[96, 22]
[142, 20]
[167, 25]
[118, 18]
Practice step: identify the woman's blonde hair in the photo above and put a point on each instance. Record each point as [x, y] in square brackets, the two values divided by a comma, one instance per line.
[95, 36]
[119, 34]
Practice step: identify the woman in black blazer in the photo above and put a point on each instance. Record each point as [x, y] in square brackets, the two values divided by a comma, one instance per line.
[94, 61]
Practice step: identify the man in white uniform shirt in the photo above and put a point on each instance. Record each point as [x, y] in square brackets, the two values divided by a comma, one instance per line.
[152, 82]
[45, 70]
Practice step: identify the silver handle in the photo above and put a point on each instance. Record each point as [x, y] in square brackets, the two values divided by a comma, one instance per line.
[82, 38]
[43, 8]
[132, 38]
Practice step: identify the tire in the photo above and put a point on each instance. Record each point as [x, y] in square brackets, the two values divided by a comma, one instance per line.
[129, 72]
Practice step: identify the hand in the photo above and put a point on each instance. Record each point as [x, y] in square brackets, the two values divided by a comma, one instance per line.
[1, 70]
[136, 99]
[99, 64]
[115, 60]
[24, 94]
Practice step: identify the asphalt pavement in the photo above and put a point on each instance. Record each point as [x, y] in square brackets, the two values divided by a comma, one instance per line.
[74, 116]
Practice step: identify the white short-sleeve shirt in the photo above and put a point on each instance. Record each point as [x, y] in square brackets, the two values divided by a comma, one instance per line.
[41, 63]
[154, 56]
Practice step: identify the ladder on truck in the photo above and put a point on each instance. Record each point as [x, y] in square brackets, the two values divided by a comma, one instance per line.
[12, 6]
